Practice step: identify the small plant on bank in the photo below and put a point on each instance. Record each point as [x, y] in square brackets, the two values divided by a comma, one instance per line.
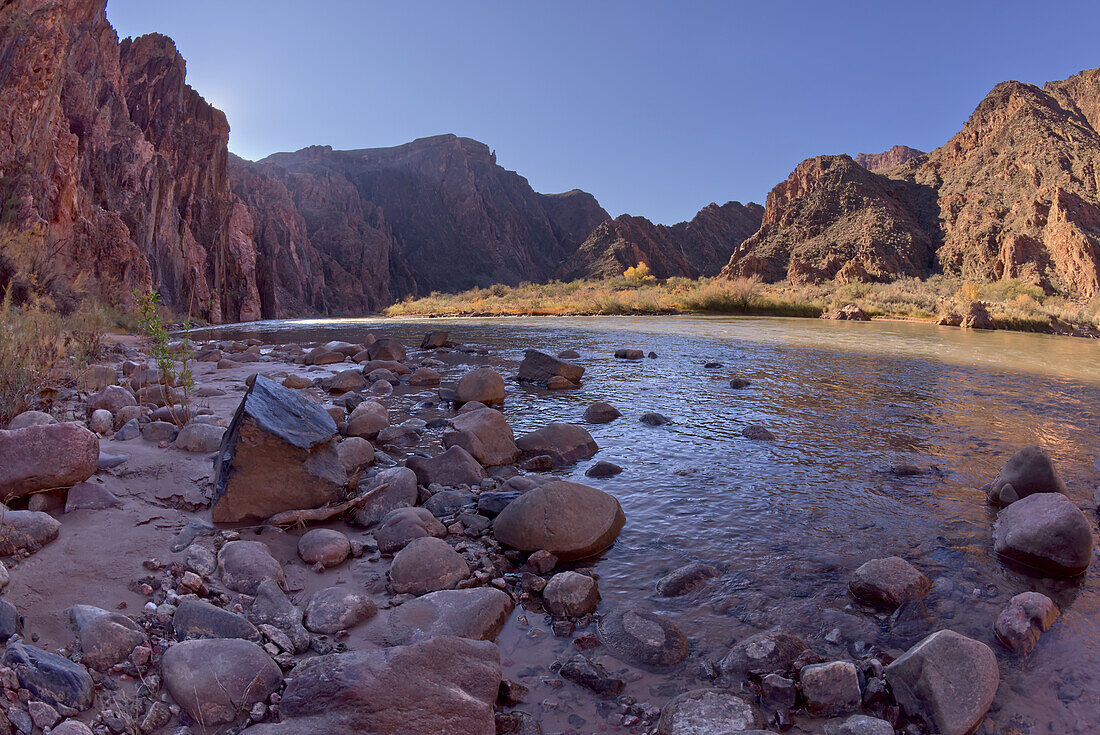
[172, 359]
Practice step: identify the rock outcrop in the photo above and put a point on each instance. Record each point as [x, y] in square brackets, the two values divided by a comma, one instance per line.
[896, 156]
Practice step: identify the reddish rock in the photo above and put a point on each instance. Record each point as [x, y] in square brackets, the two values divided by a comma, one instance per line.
[567, 519]
[896, 156]
[46, 457]
[486, 435]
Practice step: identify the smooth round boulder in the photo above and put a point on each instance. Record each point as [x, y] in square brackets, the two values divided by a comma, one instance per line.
[26, 530]
[101, 421]
[601, 413]
[112, 398]
[199, 438]
[45, 457]
[707, 712]
[484, 385]
[642, 637]
[831, 689]
[1045, 532]
[569, 593]
[1027, 472]
[477, 613]
[486, 435]
[196, 619]
[324, 546]
[386, 349]
[216, 680]
[426, 565]
[948, 680]
[685, 580]
[603, 469]
[402, 525]
[106, 638]
[334, 609]
[424, 377]
[889, 582]
[570, 520]
[355, 453]
[53, 679]
[653, 418]
[564, 443]
[344, 381]
[368, 418]
[31, 418]
[246, 564]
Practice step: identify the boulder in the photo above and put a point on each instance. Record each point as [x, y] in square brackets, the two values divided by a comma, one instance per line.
[245, 564]
[160, 395]
[739, 383]
[1027, 472]
[859, 725]
[654, 419]
[449, 502]
[425, 565]
[199, 438]
[321, 356]
[26, 530]
[889, 582]
[159, 431]
[90, 496]
[948, 680]
[566, 444]
[757, 433]
[113, 398]
[334, 609]
[347, 349]
[484, 385]
[570, 520]
[1045, 532]
[325, 546]
[685, 580]
[386, 349]
[831, 689]
[453, 467]
[603, 469]
[367, 419]
[400, 492]
[851, 313]
[101, 421]
[278, 454]
[216, 680]
[34, 418]
[355, 454]
[434, 340]
[1027, 616]
[477, 613]
[106, 638]
[424, 377]
[626, 354]
[707, 712]
[197, 619]
[763, 653]
[297, 382]
[538, 367]
[49, 677]
[442, 685]
[402, 525]
[642, 637]
[569, 594]
[601, 413]
[272, 608]
[45, 457]
[486, 435]
[977, 317]
[344, 381]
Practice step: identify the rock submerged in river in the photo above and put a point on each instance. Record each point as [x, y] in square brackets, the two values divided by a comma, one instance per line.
[640, 636]
[685, 580]
[629, 354]
[889, 582]
[590, 675]
[763, 653]
[1028, 471]
[948, 680]
[570, 520]
[707, 712]
[477, 613]
[279, 454]
[603, 469]
[564, 443]
[539, 368]
[1045, 532]
[1027, 616]
[44, 457]
[217, 679]
[757, 433]
[601, 413]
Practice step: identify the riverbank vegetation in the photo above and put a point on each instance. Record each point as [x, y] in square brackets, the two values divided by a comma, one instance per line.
[1012, 303]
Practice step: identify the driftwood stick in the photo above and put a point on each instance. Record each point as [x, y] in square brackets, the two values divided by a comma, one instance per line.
[317, 515]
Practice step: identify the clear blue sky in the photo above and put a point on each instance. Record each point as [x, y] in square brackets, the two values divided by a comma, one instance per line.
[657, 108]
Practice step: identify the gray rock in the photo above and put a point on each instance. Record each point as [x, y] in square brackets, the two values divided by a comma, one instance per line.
[32, 418]
[200, 560]
[654, 419]
[1027, 616]
[10, 622]
[889, 582]
[272, 607]
[831, 689]
[49, 677]
[106, 638]
[477, 613]
[128, 431]
[590, 675]
[26, 530]
[570, 520]
[217, 680]
[334, 609]
[483, 384]
[401, 492]
[538, 367]
[101, 421]
[427, 565]
[492, 503]
[90, 496]
[195, 619]
[159, 431]
[859, 725]
[453, 467]
[485, 434]
[685, 580]
[1045, 532]
[199, 438]
[707, 712]
[403, 525]
[245, 564]
[570, 593]
[763, 653]
[757, 433]
[450, 502]
[642, 637]
[1027, 472]
[601, 413]
[325, 546]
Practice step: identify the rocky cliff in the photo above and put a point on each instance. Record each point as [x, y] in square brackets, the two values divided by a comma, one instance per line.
[1014, 194]
[896, 156]
[690, 249]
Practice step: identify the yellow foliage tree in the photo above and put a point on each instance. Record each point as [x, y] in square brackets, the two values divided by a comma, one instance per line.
[639, 274]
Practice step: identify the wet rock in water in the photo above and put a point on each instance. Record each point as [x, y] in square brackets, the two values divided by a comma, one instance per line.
[453, 467]
[434, 340]
[382, 374]
[400, 492]
[948, 680]
[655, 419]
[426, 565]
[279, 454]
[859, 725]
[217, 680]
[477, 613]
[629, 354]
[35, 418]
[640, 636]
[196, 437]
[570, 594]
[334, 609]
[590, 675]
[344, 381]
[197, 619]
[483, 384]
[601, 413]
[685, 580]
[386, 349]
[1045, 532]
[272, 607]
[45, 457]
[538, 367]
[707, 712]
[603, 469]
[324, 546]
[106, 638]
[763, 653]
[850, 312]
[10, 622]
[49, 677]
[450, 502]
[424, 377]
[101, 421]
[26, 530]
[568, 355]
[367, 419]
[113, 398]
[1027, 472]
[559, 383]
[570, 520]
[977, 317]
[443, 685]
[739, 383]
[90, 496]
[355, 454]
[486, 435]
[402, 525]
[245, 564]
[831, 689]
[889, 582]
[564, 443]
[758, 434]
[1027, 616]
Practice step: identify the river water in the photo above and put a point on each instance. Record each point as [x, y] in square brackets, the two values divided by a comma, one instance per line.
[787, 522]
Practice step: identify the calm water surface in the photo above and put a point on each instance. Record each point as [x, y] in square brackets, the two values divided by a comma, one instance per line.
[788, 521]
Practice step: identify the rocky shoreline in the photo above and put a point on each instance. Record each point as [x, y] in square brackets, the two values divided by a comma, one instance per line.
[302, 549]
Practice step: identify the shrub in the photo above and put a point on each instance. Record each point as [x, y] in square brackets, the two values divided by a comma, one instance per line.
[639, 274]
[32, 345]
[172, 360]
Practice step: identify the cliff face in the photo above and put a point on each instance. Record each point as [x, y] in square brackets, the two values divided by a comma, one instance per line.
[119, 164]
[690, 249]
[1014, 194]
[896, 156]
